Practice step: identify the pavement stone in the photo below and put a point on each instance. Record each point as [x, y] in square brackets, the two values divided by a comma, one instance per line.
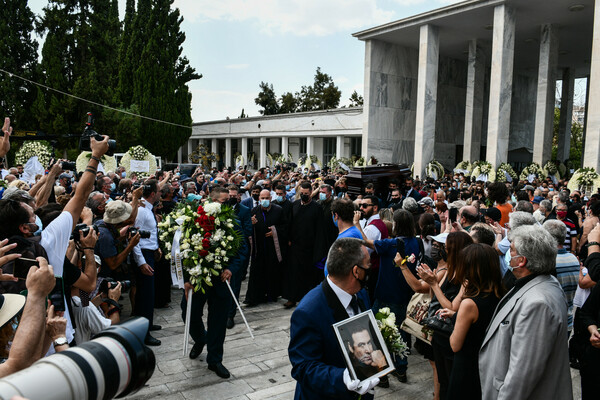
[260, 367]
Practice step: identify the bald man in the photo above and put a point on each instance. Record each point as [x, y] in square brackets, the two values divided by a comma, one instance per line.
[468, 217]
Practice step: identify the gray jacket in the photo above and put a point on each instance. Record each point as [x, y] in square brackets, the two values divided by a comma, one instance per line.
[525, 352]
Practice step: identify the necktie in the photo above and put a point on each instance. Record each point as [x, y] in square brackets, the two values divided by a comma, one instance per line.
[354, 305]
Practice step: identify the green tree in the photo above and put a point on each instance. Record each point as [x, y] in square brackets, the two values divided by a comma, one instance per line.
[576, 148]
[321, 95]
[289, 103]
[267, 99]
[356, 100]
[130, 49]
[19, 52]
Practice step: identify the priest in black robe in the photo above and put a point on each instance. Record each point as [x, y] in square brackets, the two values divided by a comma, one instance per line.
[268, 239]
[307, 247]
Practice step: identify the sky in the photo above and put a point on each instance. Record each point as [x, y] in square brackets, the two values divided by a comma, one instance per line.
[236, 44]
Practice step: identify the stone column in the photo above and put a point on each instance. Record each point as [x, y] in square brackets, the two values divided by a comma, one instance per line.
[544, 113]
[262, 158]
[179, 155]
[566, 114]
[285, 148]
[503, 52]
[190, 148]
[227, 162]
[339, 146]
[591, 150]
[474, 102]
[426, 97]
[214, 149]
[310, 146]
[244, 147]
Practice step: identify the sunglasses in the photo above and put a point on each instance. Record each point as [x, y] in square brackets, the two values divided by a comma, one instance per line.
[366, 205]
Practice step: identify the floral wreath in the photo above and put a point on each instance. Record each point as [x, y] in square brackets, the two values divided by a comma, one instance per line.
[483, 171]
[138, 153]
[464, 167]
[505, 170]
[532, 169]
[109, 163]
[434, 170]
[583, 179]
[33, 149]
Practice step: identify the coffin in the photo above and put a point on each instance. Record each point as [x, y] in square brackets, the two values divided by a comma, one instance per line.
[379, 175]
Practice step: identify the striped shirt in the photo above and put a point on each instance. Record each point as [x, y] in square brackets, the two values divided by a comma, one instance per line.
[571, 233]
[567, 273]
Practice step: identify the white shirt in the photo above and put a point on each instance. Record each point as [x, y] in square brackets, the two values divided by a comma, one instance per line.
[145, 221]
[371, 231]
[344, 297]
[89, 321]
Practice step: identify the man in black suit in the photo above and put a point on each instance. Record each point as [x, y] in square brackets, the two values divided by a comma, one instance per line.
[252, 201]
[411, 191]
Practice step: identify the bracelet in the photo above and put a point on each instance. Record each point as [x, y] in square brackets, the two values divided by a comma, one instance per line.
[593, 244]
[87, 248]
[94, 158]
[90, 169]
[112, 311]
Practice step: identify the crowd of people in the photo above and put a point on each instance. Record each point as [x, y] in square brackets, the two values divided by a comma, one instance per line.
[511, 267]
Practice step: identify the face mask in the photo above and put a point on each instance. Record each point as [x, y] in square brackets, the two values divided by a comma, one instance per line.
[334, 221]
[244, 182]
[123, 174]
[265, 203]
[268, 175]
[287, 187]
[38, 222]
[438, 254]
[113, 187]
[233, 201]
[255, 197]
[279, 199]
[305, 198]
[363, 282]
[322, 196]
[513, 198]
[561, 214]
[193, 197]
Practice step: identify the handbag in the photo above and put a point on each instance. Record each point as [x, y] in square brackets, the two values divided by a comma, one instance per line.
[439, 324]
[416, 311]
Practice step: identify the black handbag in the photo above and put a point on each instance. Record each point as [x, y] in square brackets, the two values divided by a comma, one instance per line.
[439, 324]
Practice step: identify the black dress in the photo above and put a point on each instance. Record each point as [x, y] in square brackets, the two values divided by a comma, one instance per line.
[464, 378]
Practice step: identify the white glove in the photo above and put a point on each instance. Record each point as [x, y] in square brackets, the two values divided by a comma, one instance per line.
[354, 385]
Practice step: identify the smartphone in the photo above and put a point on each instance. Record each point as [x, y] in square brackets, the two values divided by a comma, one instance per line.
[57, 296]
[22, 266]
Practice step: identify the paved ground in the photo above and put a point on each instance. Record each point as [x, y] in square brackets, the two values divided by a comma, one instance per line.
[259, 368]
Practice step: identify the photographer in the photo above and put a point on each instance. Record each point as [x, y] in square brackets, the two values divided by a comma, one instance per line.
[97, 203]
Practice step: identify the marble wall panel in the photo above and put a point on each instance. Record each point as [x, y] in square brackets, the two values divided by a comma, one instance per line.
[522, 119]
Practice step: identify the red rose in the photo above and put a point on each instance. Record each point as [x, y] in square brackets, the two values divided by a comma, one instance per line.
[203, 253]
[205, 243]
[207, 235]
[212, 218]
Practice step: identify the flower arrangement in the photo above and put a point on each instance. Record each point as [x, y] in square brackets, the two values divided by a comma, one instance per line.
[138, 153]
[408, 259]
[206, 242]
[360, 162]
[550, 169]
[531, 172]
[306, 162]
[506, 171]
[483, 171]
[562, 169]
[30, 149]
[463, 167]
[386, 322]
[239, 160]
[586, 180]
[434, 170]
[203, 156]
[109, 163]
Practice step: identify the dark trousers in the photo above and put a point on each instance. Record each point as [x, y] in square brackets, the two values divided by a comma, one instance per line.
[589, 364]
[443, 357]
[144, 292]
[162, 283]
[236, 283]
[219, 300]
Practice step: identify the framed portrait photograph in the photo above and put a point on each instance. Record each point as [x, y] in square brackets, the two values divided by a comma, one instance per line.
[363, 347]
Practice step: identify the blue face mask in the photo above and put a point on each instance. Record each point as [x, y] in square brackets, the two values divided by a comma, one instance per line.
[113, 187]
[334, 221]
[322, 196]
[244, 182]
[279, 199]
[287, 187]
[193, 197]
[265, 203]
[123, 174]
[38, 222]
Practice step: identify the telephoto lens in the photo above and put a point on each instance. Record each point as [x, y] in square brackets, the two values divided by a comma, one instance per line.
[115, 364]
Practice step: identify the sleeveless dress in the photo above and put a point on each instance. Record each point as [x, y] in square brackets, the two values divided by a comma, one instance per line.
[464, 378]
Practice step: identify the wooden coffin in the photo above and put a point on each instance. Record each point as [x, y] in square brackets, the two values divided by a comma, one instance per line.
[379, 175]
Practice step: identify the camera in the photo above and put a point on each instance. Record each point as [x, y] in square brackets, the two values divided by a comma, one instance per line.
[82, 228]
[143, 234]
[115, 364]
[89, 133]
[68, 165]
[109, 283]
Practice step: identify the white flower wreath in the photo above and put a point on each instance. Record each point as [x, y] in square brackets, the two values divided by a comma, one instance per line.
[434, 170]
[138, 153]
[31, 149]
[464, 167]
[505, 171]
[586, 180]
[550, 169]
[531, 171]
[483, 171]
[109, 163]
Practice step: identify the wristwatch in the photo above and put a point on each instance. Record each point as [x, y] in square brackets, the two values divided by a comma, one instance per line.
[61, 341]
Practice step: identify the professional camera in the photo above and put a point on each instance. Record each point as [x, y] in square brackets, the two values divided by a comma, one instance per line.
[89, 133]
[143, 234]
[85, 228]
[115, 364]
[109, 283]
[68, 166]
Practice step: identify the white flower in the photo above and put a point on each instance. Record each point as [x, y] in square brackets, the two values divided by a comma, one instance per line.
[212, 209]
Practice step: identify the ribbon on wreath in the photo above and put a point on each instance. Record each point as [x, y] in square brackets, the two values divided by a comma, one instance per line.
[176, 265]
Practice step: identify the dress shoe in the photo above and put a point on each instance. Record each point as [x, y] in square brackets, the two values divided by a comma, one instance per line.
[220, 370]
[289, 304]
[151, 341]
[230, 323]
[196, 350]
[155, 328]
[384, 382]
[401, 376]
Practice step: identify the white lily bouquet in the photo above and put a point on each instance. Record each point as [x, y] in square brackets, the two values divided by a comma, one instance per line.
[34, 149]
[483, 171]
[386, 322]
[506, 173]
[586, 180]
[531, 172]
[140, 161]
[463, 167]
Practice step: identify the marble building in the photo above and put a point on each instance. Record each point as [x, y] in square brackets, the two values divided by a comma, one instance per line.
[477, 80]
